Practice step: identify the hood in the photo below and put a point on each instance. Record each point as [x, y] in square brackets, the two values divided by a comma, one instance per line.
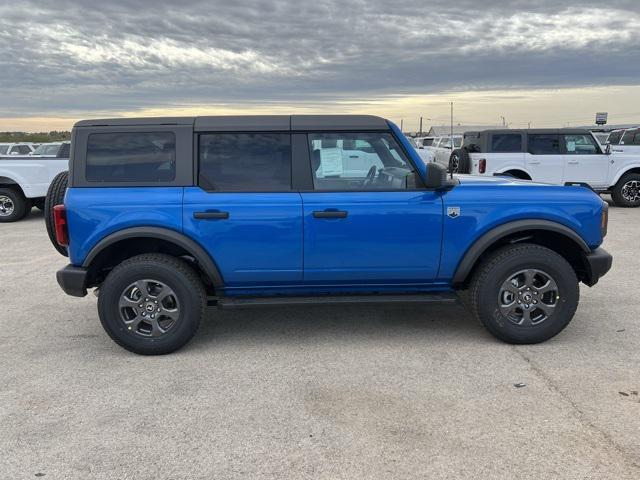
[497, 180]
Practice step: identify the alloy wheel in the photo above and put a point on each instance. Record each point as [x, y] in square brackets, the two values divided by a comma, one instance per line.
[528, 297]
[631, 191]
[149, 308]
[6, 206]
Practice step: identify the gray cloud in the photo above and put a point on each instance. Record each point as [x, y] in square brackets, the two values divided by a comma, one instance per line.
[63, 57]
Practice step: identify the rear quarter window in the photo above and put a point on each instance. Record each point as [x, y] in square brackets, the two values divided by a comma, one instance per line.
[131, 157]
[506, 143]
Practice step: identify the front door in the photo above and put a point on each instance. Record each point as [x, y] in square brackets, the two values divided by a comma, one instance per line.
[243, 211]
[364, 225]
[584, 161]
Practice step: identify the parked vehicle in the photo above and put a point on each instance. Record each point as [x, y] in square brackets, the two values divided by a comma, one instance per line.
[24, 181]
[424, 142]
[10, 149]
[625, 141]
[556, 156]
[442, 148]
[165, 216]
[52, 150]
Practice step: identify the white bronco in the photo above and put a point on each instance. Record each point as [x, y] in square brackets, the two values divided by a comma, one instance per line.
[556, 156]
[24, 182]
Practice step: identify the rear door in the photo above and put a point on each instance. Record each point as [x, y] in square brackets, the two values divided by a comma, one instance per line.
[369, 228]
[584, 160]
[544, 159]
[244, 211]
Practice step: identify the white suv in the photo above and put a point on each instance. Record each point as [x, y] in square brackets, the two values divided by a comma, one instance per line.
[557, 156]
[442, 147]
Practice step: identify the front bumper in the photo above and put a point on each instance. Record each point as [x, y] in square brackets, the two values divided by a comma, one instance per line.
[72, 280]
[598, 262]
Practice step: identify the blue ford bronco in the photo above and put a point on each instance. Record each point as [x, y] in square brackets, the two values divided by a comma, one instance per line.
[166, 216]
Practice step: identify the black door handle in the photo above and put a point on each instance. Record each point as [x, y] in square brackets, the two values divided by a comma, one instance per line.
[330, 214]
[210, 215]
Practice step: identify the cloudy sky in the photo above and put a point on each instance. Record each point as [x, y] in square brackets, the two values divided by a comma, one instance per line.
[551, 63]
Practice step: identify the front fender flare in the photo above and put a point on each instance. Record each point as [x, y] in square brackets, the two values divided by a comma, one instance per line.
[487, 239]
[196, 250]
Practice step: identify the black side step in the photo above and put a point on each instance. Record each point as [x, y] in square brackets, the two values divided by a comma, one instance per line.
[251, 302]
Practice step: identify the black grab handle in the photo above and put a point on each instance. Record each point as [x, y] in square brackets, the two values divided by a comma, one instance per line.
[330, 214]
[211, 215]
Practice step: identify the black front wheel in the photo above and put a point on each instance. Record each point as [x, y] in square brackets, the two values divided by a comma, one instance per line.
[152, 304]
[524, 294]
[626, 193]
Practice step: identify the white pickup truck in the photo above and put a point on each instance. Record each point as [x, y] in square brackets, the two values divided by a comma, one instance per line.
[24, 181]
[556, 156]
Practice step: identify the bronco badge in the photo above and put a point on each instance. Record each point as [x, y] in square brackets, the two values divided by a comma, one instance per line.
[453, 212]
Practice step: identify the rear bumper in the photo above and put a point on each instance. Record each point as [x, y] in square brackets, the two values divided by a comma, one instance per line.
[72, 280]
[598, 263]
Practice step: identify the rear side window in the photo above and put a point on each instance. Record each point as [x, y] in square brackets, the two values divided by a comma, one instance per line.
[506, 143]
[544, 144]
[232, 162]
[131, 157]
[636, 138]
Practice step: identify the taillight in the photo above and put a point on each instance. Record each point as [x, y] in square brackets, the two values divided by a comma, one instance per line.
[482, 165]
[60, 222]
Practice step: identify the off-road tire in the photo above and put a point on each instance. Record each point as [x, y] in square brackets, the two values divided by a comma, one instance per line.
[55, 196]
[487, 283]
[173, 273]
[462, 160]
[617, 191]
[20, 206]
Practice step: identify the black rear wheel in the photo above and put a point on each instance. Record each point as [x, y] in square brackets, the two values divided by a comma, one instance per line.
[524, 294]
[152, 304]
[55, 196]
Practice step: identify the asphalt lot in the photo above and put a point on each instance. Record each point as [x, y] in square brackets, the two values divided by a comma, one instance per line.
[324, 392]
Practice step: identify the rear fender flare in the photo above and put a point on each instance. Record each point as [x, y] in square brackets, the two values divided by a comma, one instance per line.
[196, 250]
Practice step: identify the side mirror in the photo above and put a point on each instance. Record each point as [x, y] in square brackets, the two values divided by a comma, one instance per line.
[436, 176]
[607, 149]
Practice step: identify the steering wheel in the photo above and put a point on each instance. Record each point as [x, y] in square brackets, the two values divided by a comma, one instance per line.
[371, 176]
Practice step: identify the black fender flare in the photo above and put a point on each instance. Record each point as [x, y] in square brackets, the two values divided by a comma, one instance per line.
[487, 239]
[195, 249]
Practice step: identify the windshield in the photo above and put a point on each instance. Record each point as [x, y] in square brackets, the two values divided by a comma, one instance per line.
[3, 149]
[47, 149]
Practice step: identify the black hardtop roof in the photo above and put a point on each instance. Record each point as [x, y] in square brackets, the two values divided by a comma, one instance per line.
[252, 122]
[534, 131]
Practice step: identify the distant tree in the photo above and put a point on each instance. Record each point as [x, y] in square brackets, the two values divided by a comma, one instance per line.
[40, 137]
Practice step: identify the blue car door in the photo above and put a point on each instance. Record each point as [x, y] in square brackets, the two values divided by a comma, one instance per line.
[244, 211]
[364, 222]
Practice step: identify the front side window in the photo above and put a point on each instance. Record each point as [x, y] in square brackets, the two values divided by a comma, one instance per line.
[542, 144]
[457, 141]
[427, 142]
[445, 142]
[627, 138]
[506, 143]
[131, 157]
[636, 137]
[4, 149]
[358, 161]
[232, 162]
[580, 145]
